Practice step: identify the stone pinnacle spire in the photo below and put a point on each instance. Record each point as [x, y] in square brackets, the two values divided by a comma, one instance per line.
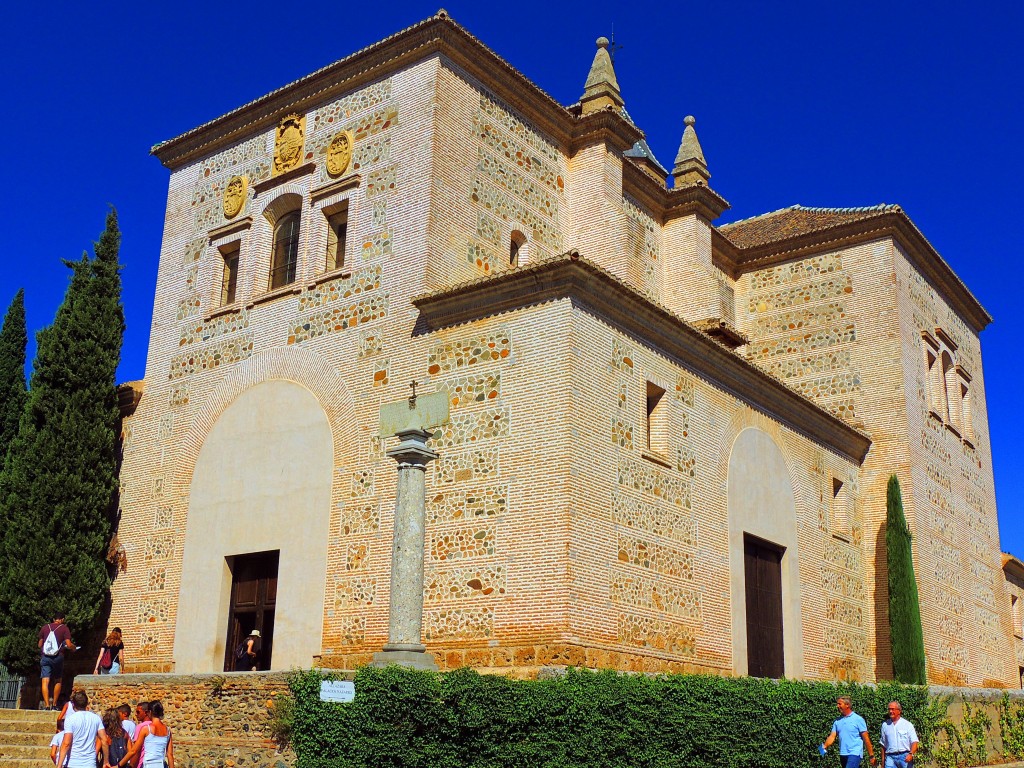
[601, 89]
[690, 167]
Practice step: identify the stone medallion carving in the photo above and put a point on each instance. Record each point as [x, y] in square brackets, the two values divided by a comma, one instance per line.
[288, 143]
[234, 195]
[339, 153]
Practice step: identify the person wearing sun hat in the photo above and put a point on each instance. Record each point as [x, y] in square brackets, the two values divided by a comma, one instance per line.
[247, 656]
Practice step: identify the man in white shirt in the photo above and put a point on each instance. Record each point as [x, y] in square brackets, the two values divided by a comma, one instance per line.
[125, 713]
[80, 730]
[899, 739]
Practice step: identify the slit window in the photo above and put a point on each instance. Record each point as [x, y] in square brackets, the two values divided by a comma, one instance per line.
[840, 508]
[229, 278]
[337, 236]
[517, 248]
[285, 259]
[657, 420]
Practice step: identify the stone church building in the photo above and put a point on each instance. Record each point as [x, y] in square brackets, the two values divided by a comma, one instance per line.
[668, 442]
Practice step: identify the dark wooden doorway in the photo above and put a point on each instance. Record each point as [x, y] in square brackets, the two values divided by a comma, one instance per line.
[253, 602]
[762, 570]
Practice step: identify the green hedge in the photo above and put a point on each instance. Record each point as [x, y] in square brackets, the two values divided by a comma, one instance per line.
[407, 719]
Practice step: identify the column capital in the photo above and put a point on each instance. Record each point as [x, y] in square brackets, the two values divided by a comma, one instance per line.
[412, 448]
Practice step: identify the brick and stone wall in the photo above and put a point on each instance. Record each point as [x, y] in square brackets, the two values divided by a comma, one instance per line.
[216, 721]
[554, 533]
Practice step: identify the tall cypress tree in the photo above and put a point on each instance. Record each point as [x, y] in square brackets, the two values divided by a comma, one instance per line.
[13, 338]
[59, 484]
[905, 635]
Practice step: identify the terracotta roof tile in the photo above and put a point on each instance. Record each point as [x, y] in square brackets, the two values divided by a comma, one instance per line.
[795, 220]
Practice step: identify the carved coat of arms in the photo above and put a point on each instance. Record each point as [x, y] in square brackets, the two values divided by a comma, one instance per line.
[290, 139]
[234, 195]
[339, 154]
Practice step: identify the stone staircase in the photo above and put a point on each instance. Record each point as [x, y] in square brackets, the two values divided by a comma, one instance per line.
[25, 738]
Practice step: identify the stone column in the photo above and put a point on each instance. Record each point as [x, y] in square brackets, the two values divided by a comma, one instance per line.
[405, 617]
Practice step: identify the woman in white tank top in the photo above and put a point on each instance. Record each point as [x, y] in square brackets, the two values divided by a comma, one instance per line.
[156, 738]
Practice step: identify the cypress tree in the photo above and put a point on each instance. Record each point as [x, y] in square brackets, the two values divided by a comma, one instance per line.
[905, 635]
[13, 338]
[59, 485]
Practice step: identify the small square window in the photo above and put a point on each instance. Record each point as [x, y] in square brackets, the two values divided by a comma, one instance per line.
[229, 277]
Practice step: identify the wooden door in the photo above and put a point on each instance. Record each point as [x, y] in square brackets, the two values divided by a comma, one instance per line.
[762, 568]
[253, 603]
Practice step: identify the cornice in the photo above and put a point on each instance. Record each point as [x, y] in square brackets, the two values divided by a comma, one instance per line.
[128, 396]
[667, 204]
[1012, 566]
[607, 125]
[892, 224]
[570, 276]
[438, 35]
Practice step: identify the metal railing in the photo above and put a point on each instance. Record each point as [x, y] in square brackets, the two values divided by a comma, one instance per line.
[10, 688]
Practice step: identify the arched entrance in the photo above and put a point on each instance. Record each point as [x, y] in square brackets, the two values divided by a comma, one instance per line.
[259, 501]
[764, 561]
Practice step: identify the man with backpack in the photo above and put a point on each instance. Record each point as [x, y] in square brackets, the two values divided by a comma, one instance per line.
[54, 640]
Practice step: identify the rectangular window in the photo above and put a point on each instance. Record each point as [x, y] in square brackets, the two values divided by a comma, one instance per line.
[337, 233]
[229, 278]
[657, 420]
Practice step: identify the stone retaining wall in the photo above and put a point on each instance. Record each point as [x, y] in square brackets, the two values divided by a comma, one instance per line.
[218, 721]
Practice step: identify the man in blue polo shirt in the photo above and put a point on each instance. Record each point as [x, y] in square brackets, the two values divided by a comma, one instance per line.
[852, 733]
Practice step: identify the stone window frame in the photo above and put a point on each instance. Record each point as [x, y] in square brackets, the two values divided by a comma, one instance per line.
[286, 202]
[948, 386]
[236, 235]
[325, 202]
[231, 251]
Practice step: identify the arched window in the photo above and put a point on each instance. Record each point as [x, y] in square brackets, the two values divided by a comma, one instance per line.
[517, 248]
[284, 260]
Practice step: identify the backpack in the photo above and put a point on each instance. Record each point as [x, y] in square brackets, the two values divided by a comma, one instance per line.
[241, 650]
[106, 662]
[118, 749]
[50, 646]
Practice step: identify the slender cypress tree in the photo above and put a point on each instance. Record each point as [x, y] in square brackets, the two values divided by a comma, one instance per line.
[13, 338]
[59, 483]
[905, 635]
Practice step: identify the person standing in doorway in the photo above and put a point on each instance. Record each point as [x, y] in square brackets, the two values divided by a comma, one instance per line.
[247, 658]
[852, 732]
[54, 640]
[898, 741]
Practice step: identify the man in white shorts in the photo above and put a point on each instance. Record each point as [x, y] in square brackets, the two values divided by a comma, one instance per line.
[80, 730]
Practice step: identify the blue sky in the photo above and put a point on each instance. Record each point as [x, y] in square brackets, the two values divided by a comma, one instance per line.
[830, 104]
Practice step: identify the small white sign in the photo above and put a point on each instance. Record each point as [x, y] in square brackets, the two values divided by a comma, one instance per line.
[338, 691]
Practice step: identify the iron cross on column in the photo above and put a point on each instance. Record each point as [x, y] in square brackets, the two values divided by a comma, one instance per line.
[412, 397]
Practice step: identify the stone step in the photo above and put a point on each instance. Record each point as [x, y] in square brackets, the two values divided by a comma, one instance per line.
[22, 715]
[23, 752]
[26, 739]
[35, 762]
[47, 726]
